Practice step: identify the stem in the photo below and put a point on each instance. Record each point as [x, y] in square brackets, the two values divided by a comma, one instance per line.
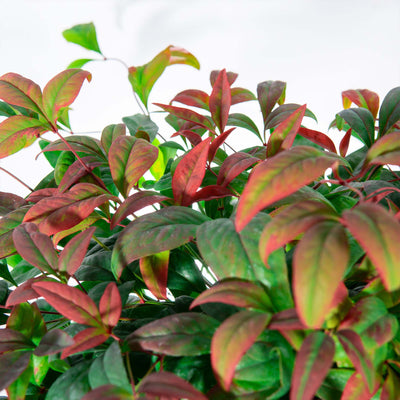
[100, 243]
[80, 285]
[128, 364]
[17, 179]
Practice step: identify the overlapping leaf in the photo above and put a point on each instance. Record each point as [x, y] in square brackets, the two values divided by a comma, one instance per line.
[163, 230]
[220, 100]
[385, 150]
[243, 121]
[110, 133]
[193, 98]
[233, 166]
[129, 159]
[389, 113]
[318, 138]
[280, 176]
[363, 98]
[269, 93]
[154, 270]
[143, 78]
[231, 341]
[377, 231]
[53, 342]
[313, 361]
[110, 305]
[184, 334]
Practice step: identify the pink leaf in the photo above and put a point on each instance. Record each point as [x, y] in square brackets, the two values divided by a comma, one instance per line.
[194, 138]
[193, 98]
[217, 142]
[110, 305]
[318, 138]
[220, 100]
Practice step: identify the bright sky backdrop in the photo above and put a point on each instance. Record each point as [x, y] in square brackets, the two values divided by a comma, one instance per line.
[319, 47]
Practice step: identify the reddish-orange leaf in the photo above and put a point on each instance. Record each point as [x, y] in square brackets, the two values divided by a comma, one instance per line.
[240, 95]
[25, 291]
[70, 302]
[291, 222]
[217, 142]
[358, 355]
[211, 192]
[232, 76]
[20, 91]
[280, 176]
[62, 90]
[233, 166]
[377, 230]
[363, 98]
[18, 132]
[385, 150]
[284, 134]
[319, 262]
[85, 340]
[220, 100]
[313, 362]
[169, 386]
[63, 212]
[286, 320]
[318, 138]
[129, 159]
[135, 203]
[188, 115]
[35, 247]
[231, 341]
[74, 252]
[110, 305]
[154, 270]
[193, 98]
[189, 173]
[194, 138]
[269, 93]
[344, 143]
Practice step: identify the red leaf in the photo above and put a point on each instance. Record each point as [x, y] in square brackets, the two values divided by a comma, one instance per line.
[194, 138]
[74, 252]
[10, 202]
[284, 134]
[108, 392]
[290, 223]
[189, 173]
[12, 365]
[62, 90]
[269, 93]
[18, 132]
[386, 150]
[313, 362]
[363, 98]
[318, 138]
[356, 389]
[286, 320]
[154, 270]
[211, 192]
[70, 302]
[40, 194]
[344, 143]
[377, 231]
[240, 95]
[135, 203]
[63, 212]
[237, 292]
[188, 115]
[20, 91]
[35, 247]
[110, 305]
[53, 342]
[85, 340]
[25, 291]
[233, 166]
[11, 340]
[167, 384]
[129, 159]
[220, 100]
[217, 142]
[193, 98]
[232, 76]
[280, 176]
[354, 348]
[319, 262]
[231, 341]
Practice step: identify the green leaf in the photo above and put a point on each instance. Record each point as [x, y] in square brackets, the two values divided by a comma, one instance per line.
[84, 35]
[319, 263]
[184, 334]
[280, 176]
[389, 113]
[62, 90]
[313, 361]
[141, 123]
[162, 230]
[243, 121]
[376, 230]
[269, 93]
[64, 161]
[6, 110]
[129, 159]
[231, 341]
[79, 63]
[362, 122]
[18, 389]
[144, 77]
[12, 365]
[110, 133]
[18, 132]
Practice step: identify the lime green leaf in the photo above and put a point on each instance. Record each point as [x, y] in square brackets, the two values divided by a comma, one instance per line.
[84, 35]
[79, 63]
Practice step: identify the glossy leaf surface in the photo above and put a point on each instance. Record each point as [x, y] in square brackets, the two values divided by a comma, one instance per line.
[184, 334]
[280, 176]
[313, 362]
[231, 341]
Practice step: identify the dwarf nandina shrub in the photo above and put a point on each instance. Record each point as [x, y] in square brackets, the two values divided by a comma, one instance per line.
[145, 268]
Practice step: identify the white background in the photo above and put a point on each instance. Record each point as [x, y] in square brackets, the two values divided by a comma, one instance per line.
[320, 47]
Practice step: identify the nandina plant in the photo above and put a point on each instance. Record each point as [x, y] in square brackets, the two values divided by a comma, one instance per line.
[145, 268]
